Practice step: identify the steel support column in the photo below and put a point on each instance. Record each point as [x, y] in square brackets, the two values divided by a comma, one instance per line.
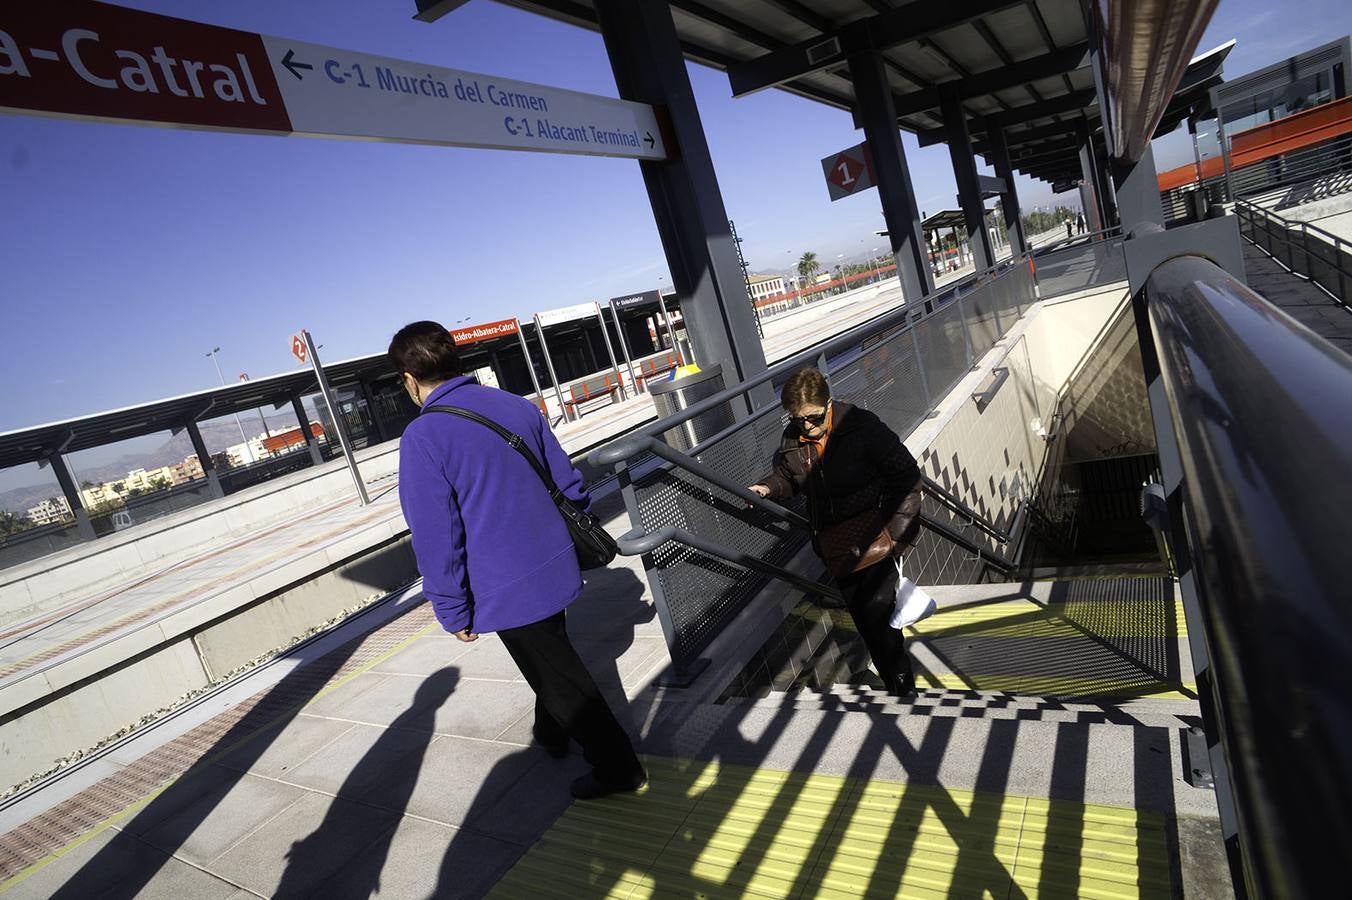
[376, 425]
[72, 495]
[316, 457]
[964, 173]
[1009, 200]
[1091, 175]
[878, 118]
[1138, 192]
[646, 57]
[200, 448]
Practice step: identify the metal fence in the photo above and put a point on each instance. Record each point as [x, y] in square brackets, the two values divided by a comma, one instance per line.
[1305, 249]
[709, 547]
[1085, 262]
[1310, 172]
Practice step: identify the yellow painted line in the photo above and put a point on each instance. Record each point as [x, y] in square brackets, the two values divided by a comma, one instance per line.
[137, 805]
[765, 833]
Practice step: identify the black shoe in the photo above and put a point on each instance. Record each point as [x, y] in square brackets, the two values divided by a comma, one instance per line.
[901, 686]
[589, 787]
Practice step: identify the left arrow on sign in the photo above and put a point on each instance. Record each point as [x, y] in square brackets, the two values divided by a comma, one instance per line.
[291, 65]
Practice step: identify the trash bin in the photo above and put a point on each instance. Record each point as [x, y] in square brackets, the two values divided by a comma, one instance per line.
[671, 397]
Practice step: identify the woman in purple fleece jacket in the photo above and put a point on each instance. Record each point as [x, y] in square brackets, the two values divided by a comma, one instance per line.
[493, 550]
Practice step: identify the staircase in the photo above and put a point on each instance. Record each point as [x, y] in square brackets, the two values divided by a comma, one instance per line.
[1074, 697]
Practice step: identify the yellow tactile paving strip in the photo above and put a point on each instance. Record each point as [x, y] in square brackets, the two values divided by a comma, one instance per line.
[712, 830]
[1026, 618]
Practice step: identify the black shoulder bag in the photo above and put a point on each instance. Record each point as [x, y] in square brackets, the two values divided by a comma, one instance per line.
[595, 548]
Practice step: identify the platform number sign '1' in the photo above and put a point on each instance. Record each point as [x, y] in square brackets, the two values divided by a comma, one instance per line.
[848, 171]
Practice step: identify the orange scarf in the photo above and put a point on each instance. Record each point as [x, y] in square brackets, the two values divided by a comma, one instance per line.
[820, 443]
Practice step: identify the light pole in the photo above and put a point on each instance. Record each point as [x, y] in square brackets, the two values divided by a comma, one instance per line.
[248, 451]
[877, 272]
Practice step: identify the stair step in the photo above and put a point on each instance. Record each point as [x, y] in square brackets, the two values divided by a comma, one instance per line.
[1142, 712]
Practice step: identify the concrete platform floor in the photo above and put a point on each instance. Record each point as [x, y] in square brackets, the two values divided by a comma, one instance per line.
[1298, 298]
[396, 762]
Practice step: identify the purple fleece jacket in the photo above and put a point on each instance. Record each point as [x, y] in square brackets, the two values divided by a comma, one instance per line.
[492, 548]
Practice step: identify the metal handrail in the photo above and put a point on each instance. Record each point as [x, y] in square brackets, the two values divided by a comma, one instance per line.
[1247, 209]
[1260, 412]
[940, 493]
[638, 542]
[1066, 243]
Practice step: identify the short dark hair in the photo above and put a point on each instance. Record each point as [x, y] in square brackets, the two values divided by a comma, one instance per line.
[426, 351]
[804, 387]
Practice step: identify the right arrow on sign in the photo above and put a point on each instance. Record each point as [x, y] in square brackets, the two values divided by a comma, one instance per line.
[292, 65]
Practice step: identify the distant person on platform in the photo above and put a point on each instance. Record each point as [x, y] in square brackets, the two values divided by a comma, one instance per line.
[494, 552]
[1069, 233]
[1079, 223]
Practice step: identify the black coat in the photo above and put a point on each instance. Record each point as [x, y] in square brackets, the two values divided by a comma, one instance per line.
[865, 467]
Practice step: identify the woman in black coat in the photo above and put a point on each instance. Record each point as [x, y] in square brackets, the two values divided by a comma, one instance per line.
[863, 493]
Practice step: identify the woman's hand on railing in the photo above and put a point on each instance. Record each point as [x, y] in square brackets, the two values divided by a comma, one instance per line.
[760, 490]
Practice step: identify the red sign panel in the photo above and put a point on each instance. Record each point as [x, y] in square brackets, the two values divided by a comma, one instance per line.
[475, 333]
[109, 62]
[848, 171]
[298, 347]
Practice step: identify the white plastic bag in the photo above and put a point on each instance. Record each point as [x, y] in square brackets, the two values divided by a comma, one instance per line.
[912, 602]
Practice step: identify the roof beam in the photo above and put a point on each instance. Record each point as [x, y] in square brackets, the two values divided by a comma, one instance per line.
[1033, 111]
[887, 29]
[997, 79]
[803, 14]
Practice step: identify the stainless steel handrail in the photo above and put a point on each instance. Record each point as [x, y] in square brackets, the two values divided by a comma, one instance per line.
[1259, 410]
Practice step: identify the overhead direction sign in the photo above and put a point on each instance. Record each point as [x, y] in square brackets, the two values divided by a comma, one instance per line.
[630, 301]
[93, 60]
[848, 171]
[568, 314]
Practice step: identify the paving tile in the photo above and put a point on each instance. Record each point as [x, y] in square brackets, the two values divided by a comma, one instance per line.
[367, 753]
[531, 805]
[457, 776]
[423, 859]
[113, 864]
[278, 751]
[304, 846]
[338, 702]
[410, 701]
[215, 820]
[426, 655]
[488, 658]
[483, 709]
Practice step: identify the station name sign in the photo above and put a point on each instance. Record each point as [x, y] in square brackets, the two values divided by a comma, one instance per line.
[486, 332]
[97, 61]
[567, 314]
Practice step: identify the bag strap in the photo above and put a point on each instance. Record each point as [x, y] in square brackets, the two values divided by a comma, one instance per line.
[513, 440]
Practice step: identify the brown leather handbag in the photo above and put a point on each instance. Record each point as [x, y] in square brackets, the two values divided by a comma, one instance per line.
[854, 544]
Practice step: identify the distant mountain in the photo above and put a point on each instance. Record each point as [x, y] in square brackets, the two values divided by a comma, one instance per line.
[216, 435]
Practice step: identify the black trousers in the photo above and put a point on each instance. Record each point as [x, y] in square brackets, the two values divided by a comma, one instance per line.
[869, 596]
[568, 704]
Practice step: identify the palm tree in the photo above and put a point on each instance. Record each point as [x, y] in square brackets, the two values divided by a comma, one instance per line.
[808, 266]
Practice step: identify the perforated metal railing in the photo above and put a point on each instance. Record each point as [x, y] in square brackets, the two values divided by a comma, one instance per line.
[1085, 262]
[710, 546]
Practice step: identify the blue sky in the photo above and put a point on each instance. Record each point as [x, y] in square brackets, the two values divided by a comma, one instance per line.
[129, 252]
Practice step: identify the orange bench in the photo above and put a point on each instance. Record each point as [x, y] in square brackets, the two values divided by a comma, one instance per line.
[594, 388]
[655, 366]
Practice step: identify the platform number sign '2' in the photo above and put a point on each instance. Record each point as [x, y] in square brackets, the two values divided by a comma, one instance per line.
[849, 171]
[298, 347]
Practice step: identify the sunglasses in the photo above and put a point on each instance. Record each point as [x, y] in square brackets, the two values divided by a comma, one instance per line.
[815, 420]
